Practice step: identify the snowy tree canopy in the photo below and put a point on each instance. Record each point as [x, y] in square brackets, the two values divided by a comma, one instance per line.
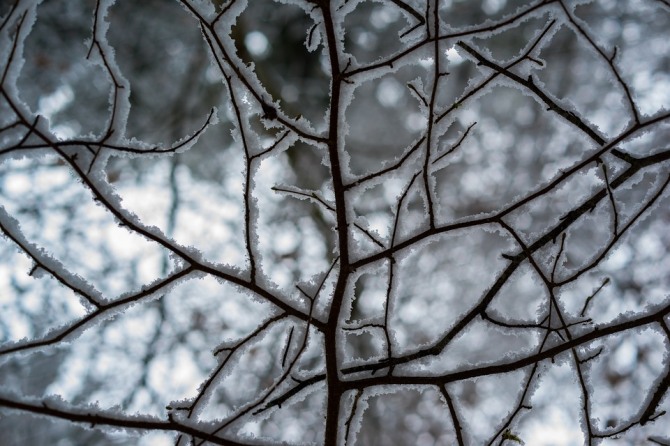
[334, 222]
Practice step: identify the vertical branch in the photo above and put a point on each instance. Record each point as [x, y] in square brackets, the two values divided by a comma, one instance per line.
[551, 285]
[454, 415]
[610, 194]
[649, 414]
[357, 397]
[99, 42]
[585, 394]
[391, 259]
[12, 52]
[557, 259]
[335, 389]
[548, 282]
[287, 372]
[248, 160]
[387, 307]
[431, 112]
[524, 395]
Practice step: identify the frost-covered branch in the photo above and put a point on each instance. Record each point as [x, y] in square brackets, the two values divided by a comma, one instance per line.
[390, 221]
[100, 418]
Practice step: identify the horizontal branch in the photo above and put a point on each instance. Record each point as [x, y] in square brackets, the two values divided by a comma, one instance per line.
[497, 369]
[102, 418]
[388, 63]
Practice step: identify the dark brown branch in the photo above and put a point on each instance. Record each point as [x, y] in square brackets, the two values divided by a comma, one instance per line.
[598, 332]
[101, 312]
[217, 47]
[9, 15]
[40, 262]
[530, 85]
[138, 228]
[11, 56]
[317, 198]
[101, 418]
[249, 235]
[588, 299]
[610, 62]
[390, 168]
[405, 7]
[454, 415]
[457, 145]
[525, 55]
[333, 382]
[639, 215]
[515, 261]
[351, 415]
[388, 63]
[610, 194]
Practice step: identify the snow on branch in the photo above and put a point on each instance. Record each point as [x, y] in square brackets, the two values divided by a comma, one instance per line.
[334, 222]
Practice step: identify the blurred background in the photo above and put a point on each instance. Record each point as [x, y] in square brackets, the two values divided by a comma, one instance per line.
[160, 351]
